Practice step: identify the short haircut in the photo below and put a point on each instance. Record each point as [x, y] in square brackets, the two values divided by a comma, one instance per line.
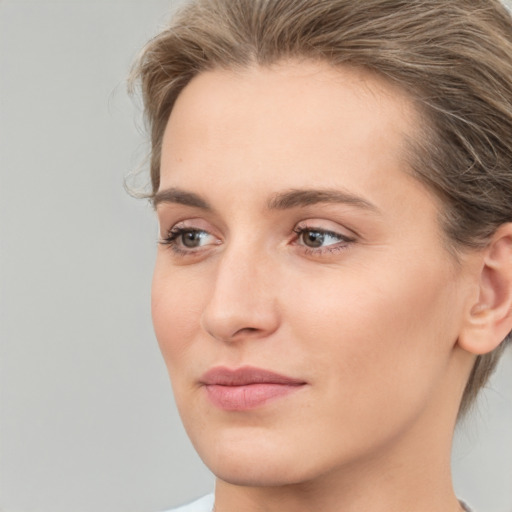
[452, 57]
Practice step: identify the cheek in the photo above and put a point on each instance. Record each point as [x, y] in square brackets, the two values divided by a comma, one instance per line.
[176, 310]
[376, 333]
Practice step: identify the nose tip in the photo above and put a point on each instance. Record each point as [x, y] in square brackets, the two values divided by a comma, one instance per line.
[230, 321]
[242, 304]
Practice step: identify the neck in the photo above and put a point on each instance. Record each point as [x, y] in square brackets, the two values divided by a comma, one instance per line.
[421, 486]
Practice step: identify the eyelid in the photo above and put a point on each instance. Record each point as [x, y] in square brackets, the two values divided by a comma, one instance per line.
[327, 228]
[173, 237]
[196, 223]
[333, 234]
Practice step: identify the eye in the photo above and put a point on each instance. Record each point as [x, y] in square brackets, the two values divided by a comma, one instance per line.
[314, 238]
[184, 240]
[192, 238]
[318, 240]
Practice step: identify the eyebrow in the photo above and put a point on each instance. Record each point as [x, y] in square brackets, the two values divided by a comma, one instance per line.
[304, 197]
[293, 198]
[179, 196]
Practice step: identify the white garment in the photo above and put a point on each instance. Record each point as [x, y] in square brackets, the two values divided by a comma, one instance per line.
[204, 504]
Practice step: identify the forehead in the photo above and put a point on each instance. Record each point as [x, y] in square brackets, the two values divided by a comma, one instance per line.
[300, 120]
[300, 87]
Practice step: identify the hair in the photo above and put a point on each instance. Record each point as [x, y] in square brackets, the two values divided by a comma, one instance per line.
[452, 57]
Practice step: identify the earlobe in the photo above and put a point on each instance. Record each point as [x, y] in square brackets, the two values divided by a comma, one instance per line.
[489, 318]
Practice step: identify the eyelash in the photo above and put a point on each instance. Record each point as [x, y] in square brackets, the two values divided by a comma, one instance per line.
[331, 249]
[174, 235]
[172, 240]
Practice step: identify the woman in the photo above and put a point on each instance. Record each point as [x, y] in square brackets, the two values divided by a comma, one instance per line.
[333, 285]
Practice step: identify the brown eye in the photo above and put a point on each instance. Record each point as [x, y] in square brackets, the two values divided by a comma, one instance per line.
[188, 239]
[313, 239]
[318, 239]
[192, 239]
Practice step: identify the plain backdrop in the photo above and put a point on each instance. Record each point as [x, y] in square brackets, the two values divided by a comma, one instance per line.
[87, 421]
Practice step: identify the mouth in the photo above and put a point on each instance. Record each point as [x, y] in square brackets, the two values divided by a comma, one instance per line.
[247, 387]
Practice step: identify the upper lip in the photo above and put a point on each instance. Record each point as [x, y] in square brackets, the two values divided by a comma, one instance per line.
[244, 376]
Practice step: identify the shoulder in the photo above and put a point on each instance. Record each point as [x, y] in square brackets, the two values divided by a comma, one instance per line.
[465, 506]
[204, 504]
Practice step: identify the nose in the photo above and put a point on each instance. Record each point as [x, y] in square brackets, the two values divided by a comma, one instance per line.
[243, 300]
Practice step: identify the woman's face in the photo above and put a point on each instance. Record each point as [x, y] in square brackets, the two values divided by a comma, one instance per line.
[296, 243]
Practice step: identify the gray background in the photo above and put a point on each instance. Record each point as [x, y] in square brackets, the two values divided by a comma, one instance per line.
[87, 421]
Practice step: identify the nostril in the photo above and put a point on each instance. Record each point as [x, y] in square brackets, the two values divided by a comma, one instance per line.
[231, 316]
[246, 330]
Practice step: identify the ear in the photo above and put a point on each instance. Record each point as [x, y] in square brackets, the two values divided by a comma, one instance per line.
[489, 317]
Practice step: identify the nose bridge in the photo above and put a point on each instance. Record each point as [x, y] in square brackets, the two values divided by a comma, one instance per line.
[243, 298]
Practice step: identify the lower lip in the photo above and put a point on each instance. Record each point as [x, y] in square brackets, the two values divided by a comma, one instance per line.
[241, 398]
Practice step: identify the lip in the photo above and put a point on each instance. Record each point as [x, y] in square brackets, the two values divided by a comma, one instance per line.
[247, 387]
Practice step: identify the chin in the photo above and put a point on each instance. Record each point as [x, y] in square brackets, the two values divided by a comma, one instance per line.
[249, 473]
[257, 462]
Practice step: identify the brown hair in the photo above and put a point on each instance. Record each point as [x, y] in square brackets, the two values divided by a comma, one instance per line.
[453, 57]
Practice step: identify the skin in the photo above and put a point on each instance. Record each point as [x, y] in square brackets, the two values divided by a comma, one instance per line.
[369, 320]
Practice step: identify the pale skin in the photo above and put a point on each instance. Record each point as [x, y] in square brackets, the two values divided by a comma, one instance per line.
[347, 286]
